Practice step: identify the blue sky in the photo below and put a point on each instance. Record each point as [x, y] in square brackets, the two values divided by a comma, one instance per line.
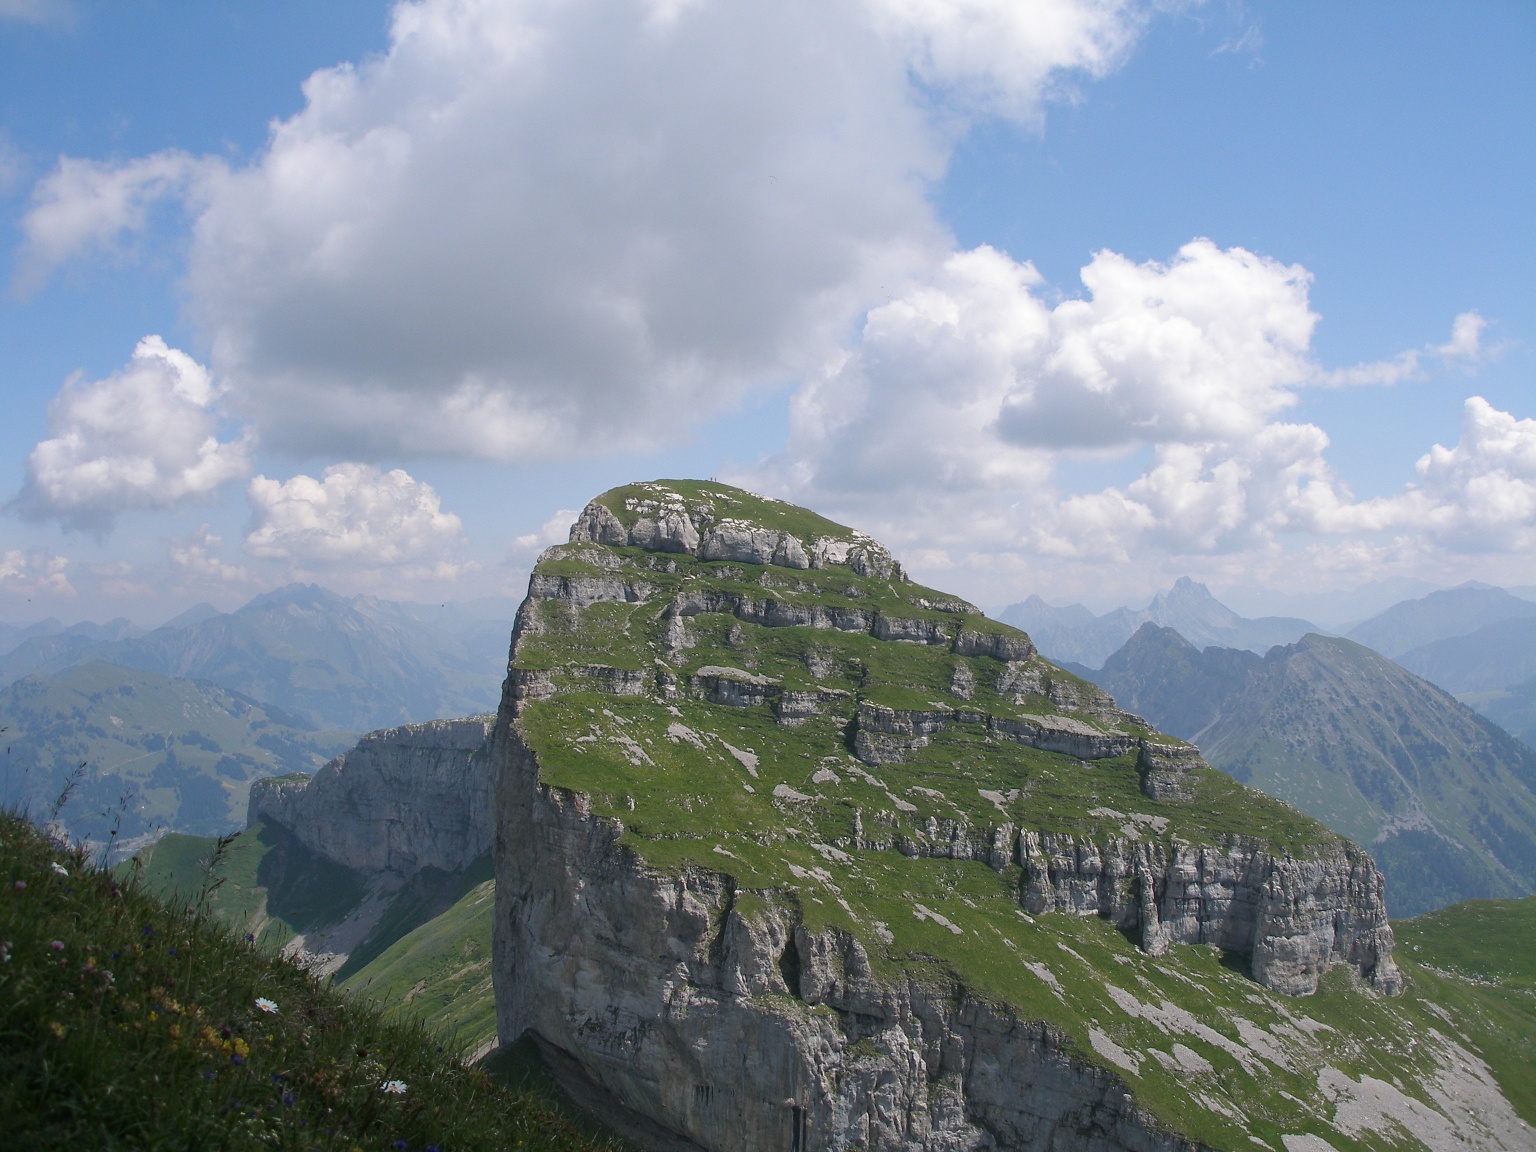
[482, 281]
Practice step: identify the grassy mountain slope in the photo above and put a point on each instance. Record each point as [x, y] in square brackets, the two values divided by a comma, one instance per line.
[1445, 798]
[1440, 615]
[790, 812]
[427, 957]
[185, 752]
[1478, 961]
[356, 664]
[128, 1023]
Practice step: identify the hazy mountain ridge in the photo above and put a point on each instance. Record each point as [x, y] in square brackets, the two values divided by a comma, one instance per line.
[354, 664]
[1076, 635]
[1441, 615]
[183, 752]
[1358, 742]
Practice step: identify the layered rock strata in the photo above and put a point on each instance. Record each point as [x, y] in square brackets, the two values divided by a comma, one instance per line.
[403, 799]
[714, 1010]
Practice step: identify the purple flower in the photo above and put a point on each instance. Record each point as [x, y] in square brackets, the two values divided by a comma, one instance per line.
[56, 945]
[287, 1099]
[237, 1059]
[400, 1146]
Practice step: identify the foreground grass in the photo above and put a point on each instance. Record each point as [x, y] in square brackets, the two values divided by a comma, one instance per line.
[126, 1022]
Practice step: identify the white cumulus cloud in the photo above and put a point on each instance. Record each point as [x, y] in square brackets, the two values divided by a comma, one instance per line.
[145, 437]
[354, 516]
[954, 422]
[86, 205]
[1479, 495]
[534, 229]
[34, 571]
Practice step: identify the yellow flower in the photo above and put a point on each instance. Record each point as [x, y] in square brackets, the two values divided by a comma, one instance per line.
[242, 1047]
[153, 1016]
[58, 1030]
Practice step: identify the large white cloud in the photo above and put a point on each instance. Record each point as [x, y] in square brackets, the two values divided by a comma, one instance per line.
[538, 228]
[354, 516]
[954, 421]
[146, 437]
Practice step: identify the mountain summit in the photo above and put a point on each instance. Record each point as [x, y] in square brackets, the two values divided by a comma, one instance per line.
[796, 853]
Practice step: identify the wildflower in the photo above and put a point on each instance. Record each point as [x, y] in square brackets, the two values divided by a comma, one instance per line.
[56, 945]
[267, 1006]
[20, 885]
[287, 1099]
[393, 1087]
[241, 1047]
[58, 1030]
[400, 1146]
[250, 937]
[58, 869]
[237, 1059]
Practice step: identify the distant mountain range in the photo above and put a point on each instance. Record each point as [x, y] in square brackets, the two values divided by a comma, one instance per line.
[1412, 624]
[339, 663]
[1445, 799]
[1076, 635]
[1474, 641]
[171, 753]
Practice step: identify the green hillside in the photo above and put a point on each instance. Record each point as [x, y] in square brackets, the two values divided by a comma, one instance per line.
[182, 752]
[681, 698]
[1445, 800]
[129, 1023]
[427, 958]
[1477, 960]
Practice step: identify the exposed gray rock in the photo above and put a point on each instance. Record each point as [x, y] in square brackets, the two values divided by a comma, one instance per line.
[734, 687]
[1164, 769]
[689, 1013]
[1293, 918]
[674, 527]
[403, 799]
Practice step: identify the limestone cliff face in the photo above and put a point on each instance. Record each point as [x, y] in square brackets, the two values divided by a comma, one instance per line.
[403, 799]
[712, 1008]
[751, 1033]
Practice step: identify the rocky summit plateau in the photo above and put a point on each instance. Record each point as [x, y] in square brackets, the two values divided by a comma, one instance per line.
[794, 853]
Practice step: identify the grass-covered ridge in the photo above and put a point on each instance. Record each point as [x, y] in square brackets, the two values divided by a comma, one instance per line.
[126, 1022]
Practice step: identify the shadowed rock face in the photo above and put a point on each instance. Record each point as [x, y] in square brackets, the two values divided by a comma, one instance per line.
[404, 799]
[714, 1010]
